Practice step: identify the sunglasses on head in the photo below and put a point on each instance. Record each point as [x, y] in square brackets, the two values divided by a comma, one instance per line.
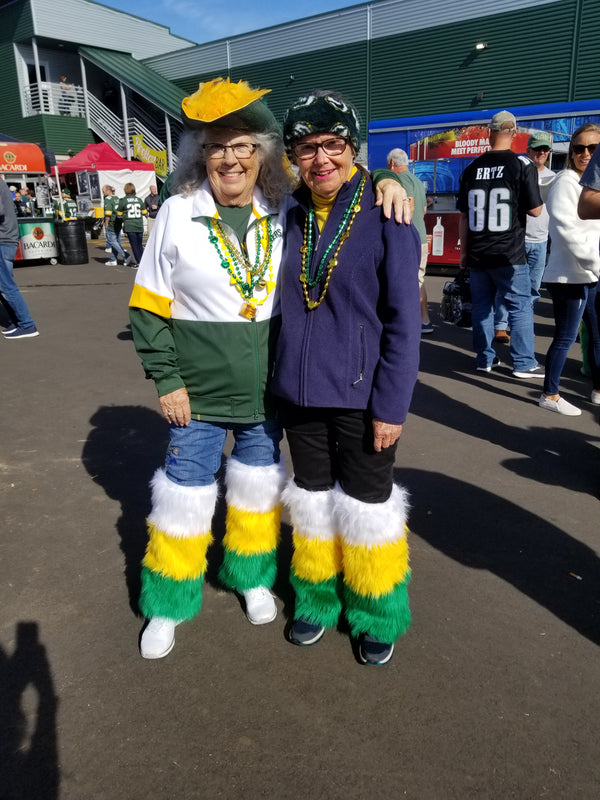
[579, 148]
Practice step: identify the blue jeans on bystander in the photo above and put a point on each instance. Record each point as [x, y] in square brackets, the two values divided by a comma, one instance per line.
[13, 299]
[513, 283]
[569, 302]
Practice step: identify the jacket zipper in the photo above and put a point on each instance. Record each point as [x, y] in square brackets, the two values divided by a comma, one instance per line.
[362, 355]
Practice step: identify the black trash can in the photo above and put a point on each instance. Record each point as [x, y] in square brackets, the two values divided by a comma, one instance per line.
[72, 244]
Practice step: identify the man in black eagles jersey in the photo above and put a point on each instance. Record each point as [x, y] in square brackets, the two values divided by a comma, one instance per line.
[497, 192]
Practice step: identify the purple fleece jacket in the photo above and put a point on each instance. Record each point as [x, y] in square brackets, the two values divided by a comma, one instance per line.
[360, 348]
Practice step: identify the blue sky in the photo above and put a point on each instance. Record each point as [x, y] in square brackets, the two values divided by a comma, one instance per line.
[204, 21]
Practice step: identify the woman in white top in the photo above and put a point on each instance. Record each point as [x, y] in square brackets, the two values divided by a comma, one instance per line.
[571, 274]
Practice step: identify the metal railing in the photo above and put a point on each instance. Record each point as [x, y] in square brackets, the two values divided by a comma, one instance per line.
[107, 125]
[64, 99]
[54, 98]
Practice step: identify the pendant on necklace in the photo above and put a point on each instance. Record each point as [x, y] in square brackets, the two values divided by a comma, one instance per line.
[261, 285]
[248, 311]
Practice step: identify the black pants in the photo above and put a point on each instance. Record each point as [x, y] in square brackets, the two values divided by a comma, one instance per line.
[332, 444]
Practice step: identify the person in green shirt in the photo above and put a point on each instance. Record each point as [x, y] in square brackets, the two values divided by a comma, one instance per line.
[131, 210]
[112, 228]
[68, 210]
[397, 161]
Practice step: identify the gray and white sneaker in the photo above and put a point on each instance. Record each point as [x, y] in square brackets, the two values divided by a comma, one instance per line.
[537, 371]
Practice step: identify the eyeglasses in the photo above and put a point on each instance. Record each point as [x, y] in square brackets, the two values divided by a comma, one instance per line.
[241, 150]
[331, 147]
[579, 148]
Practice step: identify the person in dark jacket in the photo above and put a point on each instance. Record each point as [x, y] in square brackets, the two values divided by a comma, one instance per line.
[346, 364]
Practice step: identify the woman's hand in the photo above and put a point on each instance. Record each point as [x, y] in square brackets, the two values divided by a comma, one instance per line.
[385, 434]
[176, 407]
[388, 193]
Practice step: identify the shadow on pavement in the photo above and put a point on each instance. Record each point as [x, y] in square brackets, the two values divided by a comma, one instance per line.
[485, 531]
[28, 706]
[125, 447]
[123, 451]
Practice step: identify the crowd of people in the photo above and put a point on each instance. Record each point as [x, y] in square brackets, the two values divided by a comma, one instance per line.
[505, 229]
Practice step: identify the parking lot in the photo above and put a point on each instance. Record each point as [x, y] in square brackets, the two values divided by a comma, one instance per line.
[493, 693]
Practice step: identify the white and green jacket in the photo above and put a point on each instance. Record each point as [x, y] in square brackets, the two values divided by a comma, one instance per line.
[185, 313]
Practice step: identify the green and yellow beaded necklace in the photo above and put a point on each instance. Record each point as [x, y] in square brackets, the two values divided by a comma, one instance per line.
[328, 259]
[245, 276]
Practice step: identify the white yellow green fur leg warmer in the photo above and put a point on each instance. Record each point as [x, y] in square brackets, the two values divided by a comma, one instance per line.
[375, 559]
[252, 526]
[175, 562]
[316, 561]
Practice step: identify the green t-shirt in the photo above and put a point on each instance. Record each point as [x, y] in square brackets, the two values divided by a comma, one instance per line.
[70, 207]
[131, 210]
[111, 203]
[414, 188]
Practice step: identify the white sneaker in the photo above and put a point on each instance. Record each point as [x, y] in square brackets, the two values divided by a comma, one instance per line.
[158, 638]
[260, 605]
[110, 263]
[561, 406]
[595, 397]
[108, 249]
[127, 261]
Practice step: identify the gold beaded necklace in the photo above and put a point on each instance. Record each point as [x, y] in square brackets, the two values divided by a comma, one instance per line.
[342, 233]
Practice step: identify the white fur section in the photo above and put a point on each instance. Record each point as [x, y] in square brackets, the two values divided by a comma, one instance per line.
[371, 524]
[181, 511]
[311, 512]
[255, 489]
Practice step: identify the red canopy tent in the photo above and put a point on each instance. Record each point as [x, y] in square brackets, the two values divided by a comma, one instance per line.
[101, 157]
[97, 165]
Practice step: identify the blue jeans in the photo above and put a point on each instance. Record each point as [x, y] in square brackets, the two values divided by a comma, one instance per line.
[536, 261]
[568, 301]
[513, 284]
[14, 302]
[113, 240]
[591, 316]
[194, 452]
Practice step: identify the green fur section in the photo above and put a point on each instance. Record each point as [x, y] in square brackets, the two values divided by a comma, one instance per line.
[386, 617]
[319, 603]
[241, 572]
[165, 597]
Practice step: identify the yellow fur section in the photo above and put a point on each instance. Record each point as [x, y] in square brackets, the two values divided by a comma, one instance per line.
[375, 570]
[250, 532]
[150, 301]
[217, 98]
[316, 560]
[177, 558]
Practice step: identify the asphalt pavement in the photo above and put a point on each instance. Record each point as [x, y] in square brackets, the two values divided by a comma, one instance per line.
[493, 693]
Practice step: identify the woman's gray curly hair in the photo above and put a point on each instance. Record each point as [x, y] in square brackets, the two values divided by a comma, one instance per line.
[275, 178]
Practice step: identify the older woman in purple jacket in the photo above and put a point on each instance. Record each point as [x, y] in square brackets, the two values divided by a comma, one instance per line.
[347, 362]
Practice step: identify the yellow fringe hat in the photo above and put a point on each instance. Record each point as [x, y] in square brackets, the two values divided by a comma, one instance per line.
[236, 105]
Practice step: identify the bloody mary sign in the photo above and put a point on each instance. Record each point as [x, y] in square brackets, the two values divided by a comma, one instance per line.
[21, 157]
[463, 142]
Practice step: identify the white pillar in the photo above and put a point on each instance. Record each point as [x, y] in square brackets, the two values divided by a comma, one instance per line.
[86, 104]
[38, 74]
[169, 145]
[125, 122]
